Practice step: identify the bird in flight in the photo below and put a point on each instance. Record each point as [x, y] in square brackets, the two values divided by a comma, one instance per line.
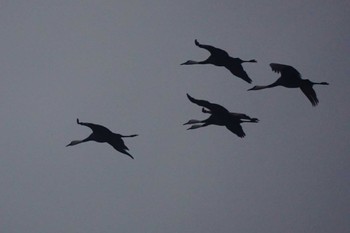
[291, 78]
[220, 116]
[102, 134]
[219, 57]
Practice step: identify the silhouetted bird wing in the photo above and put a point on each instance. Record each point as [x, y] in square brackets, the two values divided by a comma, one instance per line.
[310, 93]
[214, 108]
[214, 51]
[218, 52]
[235, 128]
[120, 146]
[237, 70]
[98, 129]
[286, 71]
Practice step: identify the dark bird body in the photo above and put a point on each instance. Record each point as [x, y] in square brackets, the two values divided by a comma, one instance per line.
[220, 116]
[291, 78]
[102, 134]
[219, 57]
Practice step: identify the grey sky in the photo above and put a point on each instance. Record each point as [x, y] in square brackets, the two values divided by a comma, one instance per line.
[117, 64]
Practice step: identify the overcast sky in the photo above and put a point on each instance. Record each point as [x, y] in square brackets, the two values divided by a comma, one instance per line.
[117, 63]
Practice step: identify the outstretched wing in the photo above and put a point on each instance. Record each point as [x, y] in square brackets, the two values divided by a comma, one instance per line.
[310, 93]
[95, 127]
[119, 145]
[238, 71]
[214, 108]
[285, 70]
[236, 128]
[212, 50]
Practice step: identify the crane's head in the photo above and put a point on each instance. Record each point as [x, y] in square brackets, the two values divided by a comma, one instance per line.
[189, 62]
[75, 142]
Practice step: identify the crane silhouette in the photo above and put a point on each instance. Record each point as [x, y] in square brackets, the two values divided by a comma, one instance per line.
[219, 57]
[102, 134]
[291, 78]
[220, 116]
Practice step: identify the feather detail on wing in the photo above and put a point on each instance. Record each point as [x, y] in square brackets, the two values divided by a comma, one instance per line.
[285, 70]
[214, 108]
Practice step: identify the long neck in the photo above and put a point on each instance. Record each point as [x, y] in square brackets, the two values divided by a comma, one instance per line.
[76, 142]
[264, 87]
[261, 87]
[309, 82]
[191, 62]
[197, 126]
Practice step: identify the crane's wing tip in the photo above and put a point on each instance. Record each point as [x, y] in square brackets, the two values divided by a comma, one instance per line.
[314, 104]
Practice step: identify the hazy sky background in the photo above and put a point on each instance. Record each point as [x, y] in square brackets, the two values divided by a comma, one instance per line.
[116, 63]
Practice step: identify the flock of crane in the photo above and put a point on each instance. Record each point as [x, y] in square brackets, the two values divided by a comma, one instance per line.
[218, 115]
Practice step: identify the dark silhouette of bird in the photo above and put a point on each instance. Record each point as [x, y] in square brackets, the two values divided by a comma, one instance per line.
[220, 116]
[219, 57]
[291, 78]
[102, 134]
